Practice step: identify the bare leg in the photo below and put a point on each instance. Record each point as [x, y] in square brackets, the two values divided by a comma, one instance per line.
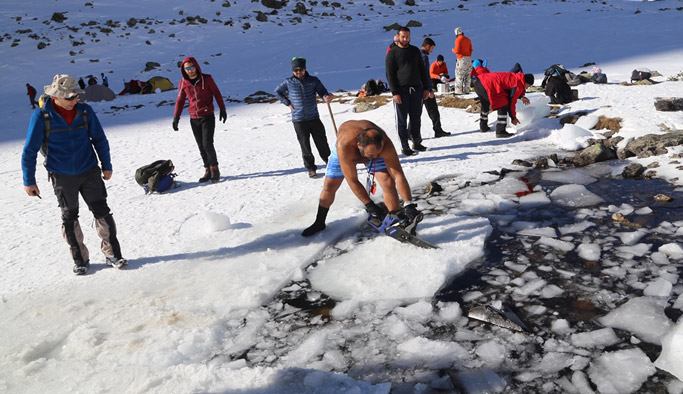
[389, 188]
[330, 188]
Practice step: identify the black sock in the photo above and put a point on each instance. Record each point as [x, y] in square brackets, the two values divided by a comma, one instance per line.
[319, 224]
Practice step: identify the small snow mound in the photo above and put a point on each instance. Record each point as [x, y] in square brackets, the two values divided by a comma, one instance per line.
[216, 222]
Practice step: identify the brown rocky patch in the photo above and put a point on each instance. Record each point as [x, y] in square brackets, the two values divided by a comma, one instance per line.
[613, 124]
[377, 100]
[456, 102]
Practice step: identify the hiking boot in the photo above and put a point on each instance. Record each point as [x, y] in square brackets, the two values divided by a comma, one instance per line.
[419, 147]
[441, 133]
[80, 268]
[503, 134]
[116, 262]
[207, 175]
[407, 152]
[215, 174]
[312, 174]
[485, 129]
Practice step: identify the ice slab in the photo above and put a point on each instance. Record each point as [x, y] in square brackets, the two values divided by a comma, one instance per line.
[642, 316]
[623, 371]
[574, 196]
[572, 175]
[671, 357]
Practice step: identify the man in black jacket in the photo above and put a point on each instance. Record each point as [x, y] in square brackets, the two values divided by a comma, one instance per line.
[408, 81]
[430, 102]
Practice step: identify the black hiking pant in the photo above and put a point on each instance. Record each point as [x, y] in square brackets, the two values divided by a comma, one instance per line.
[203, 130]
[411, 106]
[90, 186]
[501, 124]
[433, 112]
[304, 131]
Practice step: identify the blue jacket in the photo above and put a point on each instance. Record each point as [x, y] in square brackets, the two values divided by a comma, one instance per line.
[70, 151]
[301, 96]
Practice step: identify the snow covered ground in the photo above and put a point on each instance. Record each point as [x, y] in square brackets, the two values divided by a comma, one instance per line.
[193, 311]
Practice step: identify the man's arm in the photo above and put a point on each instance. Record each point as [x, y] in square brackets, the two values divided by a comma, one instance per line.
[395, 170]
[34, 140]
[280, 91]
[348, 166]
[98, 139]
[180, 99]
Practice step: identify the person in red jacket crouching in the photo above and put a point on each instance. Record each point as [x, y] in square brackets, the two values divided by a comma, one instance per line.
[500, 91]
[200, 90]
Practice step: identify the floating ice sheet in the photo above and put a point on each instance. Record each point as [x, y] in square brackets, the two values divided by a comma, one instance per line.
[572, 175]
[574, 196]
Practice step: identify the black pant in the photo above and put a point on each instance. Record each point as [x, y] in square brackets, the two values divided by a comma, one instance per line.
[486, 108]
[433, 112]
[312, 128]
[91, 187]
[203, 129]
[411, 106]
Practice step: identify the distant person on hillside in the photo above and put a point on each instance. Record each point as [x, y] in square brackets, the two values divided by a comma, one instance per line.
[31, 95]
[361, 141]
[298, 93]
[438, 71]
[105, 80]
[409, 84]
[430, 102]
[81, 83]
[200, 90]
[92, 80]
[66, 138]
[500, 91]
[463, 65]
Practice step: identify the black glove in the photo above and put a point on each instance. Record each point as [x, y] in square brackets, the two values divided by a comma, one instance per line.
[223, 116]
[176, 119]
[412, 212]
[374, 210]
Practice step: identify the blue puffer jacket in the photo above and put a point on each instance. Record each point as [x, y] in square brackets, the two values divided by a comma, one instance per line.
[301, 96]
[70, 151]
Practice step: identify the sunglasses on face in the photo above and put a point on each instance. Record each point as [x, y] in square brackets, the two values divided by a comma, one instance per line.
[190, 68]
[72, 98]
[298, 70]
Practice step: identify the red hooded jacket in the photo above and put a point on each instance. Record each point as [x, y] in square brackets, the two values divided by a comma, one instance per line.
[503, 88]
[201, 94]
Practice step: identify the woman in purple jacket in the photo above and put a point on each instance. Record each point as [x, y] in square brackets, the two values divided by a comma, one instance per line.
[200, 90]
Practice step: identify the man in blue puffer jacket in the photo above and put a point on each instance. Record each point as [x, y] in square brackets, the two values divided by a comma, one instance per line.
[301, 89]
[72, 164]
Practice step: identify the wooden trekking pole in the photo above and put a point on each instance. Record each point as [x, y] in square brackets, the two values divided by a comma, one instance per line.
[332, 117]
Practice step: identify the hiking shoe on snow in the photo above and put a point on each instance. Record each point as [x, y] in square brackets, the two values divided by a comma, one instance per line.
[215, 174]
[441, 133]
[80, 268]
[116, 263]
[503, 134]
[485, 130]
[407, 152]
[206, 177]
[312, 174]
[419, 147]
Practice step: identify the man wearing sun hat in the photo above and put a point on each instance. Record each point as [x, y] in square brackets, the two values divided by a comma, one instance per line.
[66, 131]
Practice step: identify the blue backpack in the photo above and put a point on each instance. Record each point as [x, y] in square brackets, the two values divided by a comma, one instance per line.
[156, 177]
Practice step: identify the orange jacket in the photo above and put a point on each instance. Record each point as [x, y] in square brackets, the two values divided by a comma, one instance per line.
[463, 46]
[435, 70]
